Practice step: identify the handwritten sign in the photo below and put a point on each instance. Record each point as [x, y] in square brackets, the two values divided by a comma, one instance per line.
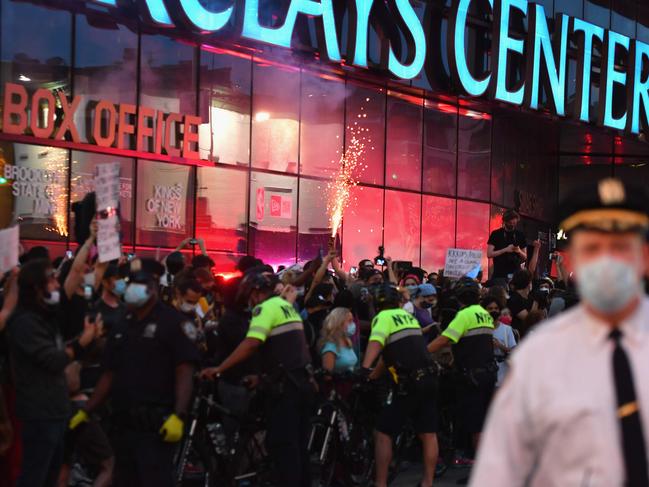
[8, 248]
[459, 262]
[108, 244]
[107, 185]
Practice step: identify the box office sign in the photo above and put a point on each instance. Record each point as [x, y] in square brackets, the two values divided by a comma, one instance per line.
[410, 44]
[122, 126]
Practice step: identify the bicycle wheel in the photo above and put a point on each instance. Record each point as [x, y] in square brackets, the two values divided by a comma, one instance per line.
[359, 457]
[323, 449]
[250, 464]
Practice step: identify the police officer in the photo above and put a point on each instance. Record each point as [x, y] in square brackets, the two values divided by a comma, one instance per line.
[397, 337]
[471, 334]
[574, 409]
[277, 329]
[149, 363]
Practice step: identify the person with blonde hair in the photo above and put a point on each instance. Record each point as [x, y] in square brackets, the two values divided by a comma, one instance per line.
[335, 342]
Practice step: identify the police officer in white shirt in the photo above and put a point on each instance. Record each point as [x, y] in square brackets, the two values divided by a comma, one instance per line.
[574, 409]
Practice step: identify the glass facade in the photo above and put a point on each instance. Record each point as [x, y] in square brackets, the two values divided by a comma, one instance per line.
[436, 171]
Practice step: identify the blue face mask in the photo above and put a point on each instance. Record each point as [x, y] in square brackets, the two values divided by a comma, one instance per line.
[351, 329]
[119, 287]
[136, 295]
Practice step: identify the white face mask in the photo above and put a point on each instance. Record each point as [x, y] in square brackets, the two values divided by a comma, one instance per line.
[136, 294]
[608, 284]
[54, 298]
[186, 307]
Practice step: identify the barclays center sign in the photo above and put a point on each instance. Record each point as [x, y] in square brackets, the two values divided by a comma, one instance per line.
[542, 52]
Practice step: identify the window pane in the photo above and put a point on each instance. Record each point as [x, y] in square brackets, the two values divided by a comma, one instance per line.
[574, 8]
[473, 227]
[275, 123]
[105, 66]
[623, 17]
[273, 218]
[598, 12]
[35, 45]
[437, 232]
[440, 147]
[313, 222]
[83, 182]
[221, 208]
[474, 156]
[363, 225]
[322, 129]
[225, 108]
[575, 171]
[403, 151]
[403, 221]
[35, 193]
[165, 203]
[366, 110]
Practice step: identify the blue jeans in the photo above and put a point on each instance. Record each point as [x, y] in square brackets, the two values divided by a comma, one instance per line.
[42, 452]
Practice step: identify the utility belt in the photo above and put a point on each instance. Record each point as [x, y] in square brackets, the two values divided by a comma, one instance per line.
[476, 375]
[280, 380]
[144, 418]
[423, 379]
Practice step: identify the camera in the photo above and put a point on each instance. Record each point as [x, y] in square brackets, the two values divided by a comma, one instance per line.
[380, 259]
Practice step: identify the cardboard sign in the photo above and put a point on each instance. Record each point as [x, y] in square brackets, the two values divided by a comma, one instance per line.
[9, 248]
[108, 244]
[460, 262]
[107, 185]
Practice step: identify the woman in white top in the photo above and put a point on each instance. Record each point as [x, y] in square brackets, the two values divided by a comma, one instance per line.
[504, 340]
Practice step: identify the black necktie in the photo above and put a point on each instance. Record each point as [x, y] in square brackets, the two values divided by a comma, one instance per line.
[628, 413]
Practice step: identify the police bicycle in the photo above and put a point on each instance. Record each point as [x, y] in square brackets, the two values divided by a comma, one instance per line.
[341, 443]
[213, 454]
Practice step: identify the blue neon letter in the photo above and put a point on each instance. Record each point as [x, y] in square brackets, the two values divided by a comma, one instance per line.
[358, 31]
[282, 36]
[610, 77]
[504, 44]
[202, 18]
[582, 104]
[457, 50]
[539, 40]
[410, 19]
[639, 89]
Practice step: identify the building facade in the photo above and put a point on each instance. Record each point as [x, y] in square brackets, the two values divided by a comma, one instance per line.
[233, 140]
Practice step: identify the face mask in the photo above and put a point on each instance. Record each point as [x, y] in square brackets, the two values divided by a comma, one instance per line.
[186, 307]
[412, 289]
[136, 294]
[351, 329]
[89, 279]
[119, 287]
[54, 298]
[608, 284]
[495, 315]
[426, 305]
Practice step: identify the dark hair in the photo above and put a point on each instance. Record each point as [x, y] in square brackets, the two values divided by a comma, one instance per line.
[344, 299]
[321, 294]
[509, 215]
[175, 262]
[35, 253]
[185, 285]
[247, 262]
[521, 279]
[202, 261]
[33, 276]
[491, 299]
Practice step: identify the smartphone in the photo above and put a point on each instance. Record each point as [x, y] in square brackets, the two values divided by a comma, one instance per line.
[353, 270]
[68, 254]
[193, 241]
[130, 256]
[380, 261]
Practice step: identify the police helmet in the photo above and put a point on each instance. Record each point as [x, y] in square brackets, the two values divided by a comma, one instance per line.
[467, 291]
[386, 295]
[256, 281]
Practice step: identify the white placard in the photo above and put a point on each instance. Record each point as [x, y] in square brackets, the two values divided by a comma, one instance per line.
[459, 262]
[108, 244]
[107, 185]
[9, 248]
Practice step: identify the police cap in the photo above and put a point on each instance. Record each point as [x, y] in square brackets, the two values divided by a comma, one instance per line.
[609, 205]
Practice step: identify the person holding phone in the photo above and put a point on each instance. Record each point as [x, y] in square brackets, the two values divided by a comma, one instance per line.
[507, 247]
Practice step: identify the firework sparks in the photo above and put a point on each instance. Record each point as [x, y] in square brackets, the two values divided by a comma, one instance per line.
[340, 187]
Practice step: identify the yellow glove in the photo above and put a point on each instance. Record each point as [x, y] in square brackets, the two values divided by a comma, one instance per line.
[77, 419]
[172, 429]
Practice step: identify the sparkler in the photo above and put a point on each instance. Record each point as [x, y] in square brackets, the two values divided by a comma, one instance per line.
[340, 187]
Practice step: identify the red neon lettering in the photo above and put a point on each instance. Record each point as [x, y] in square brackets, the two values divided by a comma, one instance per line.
[143, 129]
[159, 128]
[46, 131]
[14, 110]
[68, 118]
[172, 119]
[190, 138]
[123, 126]
[98, 138]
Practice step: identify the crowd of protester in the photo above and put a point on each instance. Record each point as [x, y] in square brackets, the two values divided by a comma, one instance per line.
[58, 318]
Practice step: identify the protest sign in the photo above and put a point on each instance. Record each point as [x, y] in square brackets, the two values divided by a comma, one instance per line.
[460, 262]
[9, 248]
[107, 185]
[108, 244]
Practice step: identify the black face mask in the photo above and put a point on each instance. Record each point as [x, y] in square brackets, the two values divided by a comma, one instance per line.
[510, 228]
[495, 315]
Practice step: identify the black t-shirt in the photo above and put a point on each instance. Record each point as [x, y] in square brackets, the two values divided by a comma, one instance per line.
[143, 356]
[72, 314]
[506, 264]
[516, 304]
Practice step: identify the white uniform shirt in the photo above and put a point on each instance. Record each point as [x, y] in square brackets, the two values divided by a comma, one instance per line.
[554, 421]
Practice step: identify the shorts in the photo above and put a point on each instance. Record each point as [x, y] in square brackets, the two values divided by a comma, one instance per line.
[473, 401]
[89, 442]
[420, 407]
